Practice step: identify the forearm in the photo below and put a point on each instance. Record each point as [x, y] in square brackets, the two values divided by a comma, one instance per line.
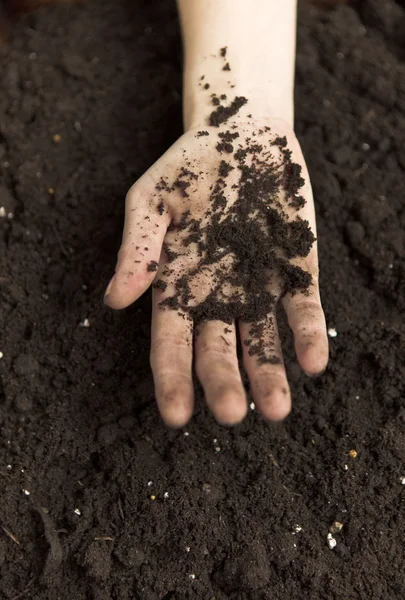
[260, 40]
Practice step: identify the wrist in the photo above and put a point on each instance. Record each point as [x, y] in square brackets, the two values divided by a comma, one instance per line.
[262, 104]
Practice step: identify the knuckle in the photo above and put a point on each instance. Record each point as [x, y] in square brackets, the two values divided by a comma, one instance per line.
[169, 353]
[221, 349]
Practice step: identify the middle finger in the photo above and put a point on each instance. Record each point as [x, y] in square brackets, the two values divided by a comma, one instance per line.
[217, 369]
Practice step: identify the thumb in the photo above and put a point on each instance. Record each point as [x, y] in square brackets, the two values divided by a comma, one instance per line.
[146, 223]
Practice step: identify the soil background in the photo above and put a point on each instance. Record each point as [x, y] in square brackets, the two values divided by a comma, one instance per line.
[79, 426]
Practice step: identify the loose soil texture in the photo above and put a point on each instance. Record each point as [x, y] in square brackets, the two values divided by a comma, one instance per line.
[98, 499]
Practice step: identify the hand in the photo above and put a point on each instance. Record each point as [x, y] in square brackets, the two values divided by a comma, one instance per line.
[170, 239]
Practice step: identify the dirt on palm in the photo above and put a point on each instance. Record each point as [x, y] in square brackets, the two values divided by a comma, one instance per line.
[98, 499]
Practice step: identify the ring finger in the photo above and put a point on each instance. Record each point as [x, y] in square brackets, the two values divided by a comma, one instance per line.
[264, 365]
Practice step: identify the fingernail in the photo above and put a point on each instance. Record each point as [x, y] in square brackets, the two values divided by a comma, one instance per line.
[317, 375]
[109, 286]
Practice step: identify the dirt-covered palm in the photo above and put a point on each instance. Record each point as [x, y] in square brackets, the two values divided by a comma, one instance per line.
[207, 250]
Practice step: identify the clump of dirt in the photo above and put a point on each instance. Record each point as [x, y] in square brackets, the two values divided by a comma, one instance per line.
[223, 113]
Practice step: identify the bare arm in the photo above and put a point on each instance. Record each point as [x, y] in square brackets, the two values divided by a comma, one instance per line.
[260, 39]
[172, 213]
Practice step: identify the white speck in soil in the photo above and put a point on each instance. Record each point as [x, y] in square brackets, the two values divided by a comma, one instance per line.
[1, 355]
[252, 406]
[2, 211]
[150, 483]
[331, 541]
[346, 468]
[217, 449]
[10, 215]
[332, 332]
[186, 434]
[297, 529]
[365, 147]
[166, 495]
[85, 323]
[402, 480]
[26, 492]
[9, 467]
[191, 576]
[187, 548]
[336, 527]
[77, 512]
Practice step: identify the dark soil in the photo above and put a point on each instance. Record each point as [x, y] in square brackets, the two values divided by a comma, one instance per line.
[118, 505]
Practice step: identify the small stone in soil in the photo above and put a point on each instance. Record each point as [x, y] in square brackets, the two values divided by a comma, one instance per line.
[332, 332]
[331, 541]
[336, 527]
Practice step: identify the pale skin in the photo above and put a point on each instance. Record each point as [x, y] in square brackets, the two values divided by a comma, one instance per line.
[260, 40]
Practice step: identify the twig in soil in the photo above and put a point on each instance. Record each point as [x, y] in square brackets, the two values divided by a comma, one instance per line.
[10, 535]
[63, 249]
[271, 456]
[55, 555]
[27, 588]
[104, 538]
[121, 509]
[290, 492]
